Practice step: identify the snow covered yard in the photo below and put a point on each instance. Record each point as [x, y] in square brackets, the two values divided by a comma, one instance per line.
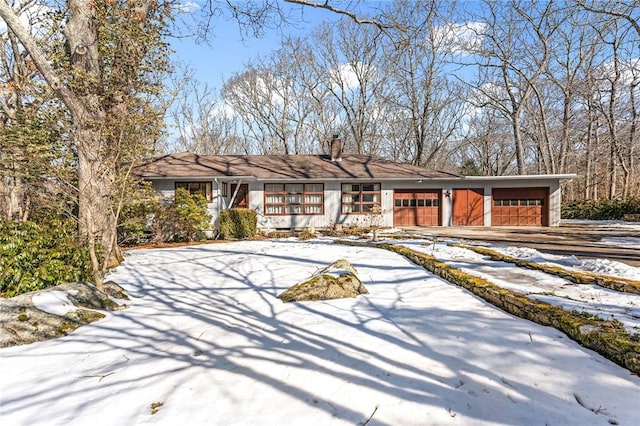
[205, 341]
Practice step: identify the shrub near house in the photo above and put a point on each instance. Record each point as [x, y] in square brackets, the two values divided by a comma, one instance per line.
[147, 218]
[238, 223]
[185, 219]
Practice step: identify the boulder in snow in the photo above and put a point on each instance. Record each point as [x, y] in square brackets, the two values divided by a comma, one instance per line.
[336, 281]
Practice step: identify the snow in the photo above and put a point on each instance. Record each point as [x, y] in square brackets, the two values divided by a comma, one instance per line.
[602, 223]
[54, 302]
[630, 242]
[614, 225]
[595, 266]
[592, 299]
[205, 341]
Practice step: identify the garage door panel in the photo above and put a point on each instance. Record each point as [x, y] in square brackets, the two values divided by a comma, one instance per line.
[416, 207]
[520, 207]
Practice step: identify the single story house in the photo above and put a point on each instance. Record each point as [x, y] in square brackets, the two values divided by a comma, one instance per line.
[318, 191]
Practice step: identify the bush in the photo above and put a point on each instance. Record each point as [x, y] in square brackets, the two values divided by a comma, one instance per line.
[238, 223]
[34, 257]
[138, 210]
[600, 210]
[185, 219]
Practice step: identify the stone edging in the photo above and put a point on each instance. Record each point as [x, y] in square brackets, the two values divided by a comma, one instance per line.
[608, 338]
[617, 284]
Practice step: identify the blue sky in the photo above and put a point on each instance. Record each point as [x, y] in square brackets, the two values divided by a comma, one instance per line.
[228, 52]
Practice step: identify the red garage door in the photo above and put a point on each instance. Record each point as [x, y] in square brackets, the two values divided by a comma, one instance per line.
[468, 207]
[520, 207]
[416, 207]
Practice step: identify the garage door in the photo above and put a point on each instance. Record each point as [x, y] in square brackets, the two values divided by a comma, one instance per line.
[416, 207]
[520, 207]
[468, 207]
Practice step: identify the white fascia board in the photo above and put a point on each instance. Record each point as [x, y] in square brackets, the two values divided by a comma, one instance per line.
[361, 179]
[522, 177]
[197, 178]
[369, 179]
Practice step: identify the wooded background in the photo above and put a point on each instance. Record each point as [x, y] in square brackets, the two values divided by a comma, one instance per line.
[480, 88]
[474, 87]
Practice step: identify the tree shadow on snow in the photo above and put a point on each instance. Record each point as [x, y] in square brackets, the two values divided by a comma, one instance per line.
[220, 315]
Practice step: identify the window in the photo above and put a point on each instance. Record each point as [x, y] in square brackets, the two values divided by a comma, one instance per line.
[203, 188]
[359, 198]
[224, 190]
[519, 202]
[293, 198]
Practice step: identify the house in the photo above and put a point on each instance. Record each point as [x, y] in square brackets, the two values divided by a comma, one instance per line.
[320, 191]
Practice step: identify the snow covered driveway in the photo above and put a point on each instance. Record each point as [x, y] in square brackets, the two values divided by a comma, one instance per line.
[205, 341]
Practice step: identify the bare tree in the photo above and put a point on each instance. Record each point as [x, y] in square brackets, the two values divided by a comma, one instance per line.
[488, 145]
[418, 64]
[264, 97]
[516, 53]
[352, 57]
[21, 104]
[573, 48]
[627, 10]
[204, 123]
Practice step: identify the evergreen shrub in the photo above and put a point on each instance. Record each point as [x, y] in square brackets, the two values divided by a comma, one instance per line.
[600, 210]
[238, 223]
[138, 210]
[185, 219]
[34, 257]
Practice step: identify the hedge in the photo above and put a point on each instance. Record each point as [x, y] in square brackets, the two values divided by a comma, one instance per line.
[238, 223]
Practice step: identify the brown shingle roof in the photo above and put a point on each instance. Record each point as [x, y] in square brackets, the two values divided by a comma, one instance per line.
[275, 167]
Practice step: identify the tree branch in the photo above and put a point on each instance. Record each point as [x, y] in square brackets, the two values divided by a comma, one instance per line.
[611, 12]
[325, 5]
[42, 64]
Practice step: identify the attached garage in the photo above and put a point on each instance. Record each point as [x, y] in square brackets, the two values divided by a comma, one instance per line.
[416, 207]
[520, 207]
[468, 206]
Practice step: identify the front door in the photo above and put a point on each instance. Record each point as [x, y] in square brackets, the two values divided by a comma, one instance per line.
[242, 197]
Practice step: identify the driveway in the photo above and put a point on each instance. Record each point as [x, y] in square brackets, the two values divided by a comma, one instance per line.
[578, 240]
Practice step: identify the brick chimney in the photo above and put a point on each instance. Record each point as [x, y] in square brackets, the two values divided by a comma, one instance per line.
[336, 149]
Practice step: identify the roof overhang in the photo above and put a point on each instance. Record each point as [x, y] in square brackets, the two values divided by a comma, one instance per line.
[566, 176]
[200, 178]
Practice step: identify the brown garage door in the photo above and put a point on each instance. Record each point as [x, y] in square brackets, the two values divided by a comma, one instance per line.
[416, 207]
[520, 207]
[468, 207]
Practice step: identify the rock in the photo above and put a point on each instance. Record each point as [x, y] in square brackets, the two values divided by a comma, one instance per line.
[336, 281]
[21, 322]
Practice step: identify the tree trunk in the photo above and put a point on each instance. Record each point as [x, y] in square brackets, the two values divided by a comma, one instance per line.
[612, 171]
[517, 136]
[589, 180]
[12, 191]
[97, 221]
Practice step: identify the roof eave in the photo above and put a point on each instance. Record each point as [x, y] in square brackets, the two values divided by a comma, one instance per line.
[524, 177]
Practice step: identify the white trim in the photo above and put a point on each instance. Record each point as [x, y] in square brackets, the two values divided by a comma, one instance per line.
[418, 179]
[201, 178]
[521, 177]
